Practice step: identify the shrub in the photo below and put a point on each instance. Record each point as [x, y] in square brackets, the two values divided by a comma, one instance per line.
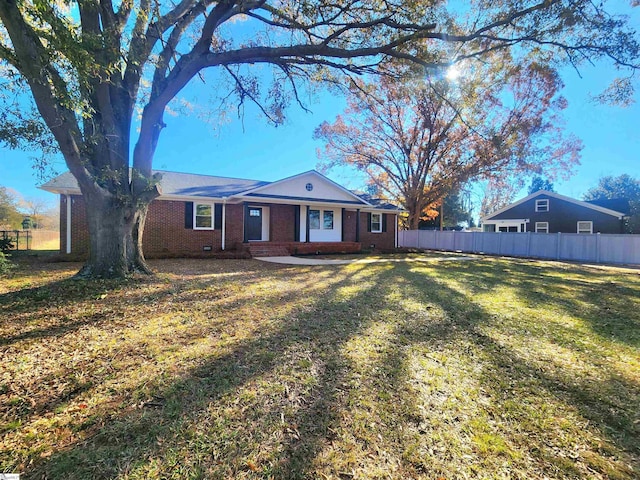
[6, 244]
[5, 264]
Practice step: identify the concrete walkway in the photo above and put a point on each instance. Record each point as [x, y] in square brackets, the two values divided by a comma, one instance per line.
[320, 261]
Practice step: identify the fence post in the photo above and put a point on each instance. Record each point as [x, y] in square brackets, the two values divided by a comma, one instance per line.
[528, 244]
[558, 246]
[598, 247]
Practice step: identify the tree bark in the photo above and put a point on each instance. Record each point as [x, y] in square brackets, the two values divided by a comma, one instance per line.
[109, 223]
[115, 221]
[135, 255]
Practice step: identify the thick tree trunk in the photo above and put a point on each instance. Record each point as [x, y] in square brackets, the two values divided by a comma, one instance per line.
[115, 236]
[109, 224]
[414, 220]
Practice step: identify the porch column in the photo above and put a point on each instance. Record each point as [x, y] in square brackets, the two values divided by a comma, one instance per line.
[343, 217]
[307, 225]
[357, 225]
[395, 217]
[296, 223]
[68, 223]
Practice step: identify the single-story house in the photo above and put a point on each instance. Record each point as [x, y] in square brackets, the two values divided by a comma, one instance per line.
[549, 212]
[202, 214]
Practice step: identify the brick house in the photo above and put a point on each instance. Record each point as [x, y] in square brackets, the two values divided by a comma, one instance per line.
[549, 212]
[205, 215]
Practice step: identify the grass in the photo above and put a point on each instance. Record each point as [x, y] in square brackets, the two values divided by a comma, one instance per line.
[488, 368]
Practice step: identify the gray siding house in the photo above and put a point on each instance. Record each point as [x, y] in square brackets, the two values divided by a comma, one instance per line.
[549, 212]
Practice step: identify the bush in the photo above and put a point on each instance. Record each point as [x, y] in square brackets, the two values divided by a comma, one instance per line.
[6, 244]
[5, 264]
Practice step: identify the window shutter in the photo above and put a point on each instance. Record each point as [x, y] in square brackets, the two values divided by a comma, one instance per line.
[368, 222]
[217, 216]
[384, 222]
[188, 215]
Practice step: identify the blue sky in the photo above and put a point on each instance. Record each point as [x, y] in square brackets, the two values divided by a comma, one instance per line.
[251, 148]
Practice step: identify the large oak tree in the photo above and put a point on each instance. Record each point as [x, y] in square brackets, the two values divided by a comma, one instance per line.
[86, 64]
[419, 140]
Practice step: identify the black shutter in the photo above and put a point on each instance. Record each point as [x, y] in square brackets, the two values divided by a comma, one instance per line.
[188, 215]
[368, 222]
[384, 222]
[217, 216]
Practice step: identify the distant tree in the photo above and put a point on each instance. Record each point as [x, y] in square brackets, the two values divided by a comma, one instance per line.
[10, 216]
[496, 194]
[621, 187]
[539, 183]
[39, 211]
[419, 140]
[456, 211]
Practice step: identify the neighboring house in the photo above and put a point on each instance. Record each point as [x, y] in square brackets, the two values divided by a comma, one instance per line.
[548, 212]
[306, 213]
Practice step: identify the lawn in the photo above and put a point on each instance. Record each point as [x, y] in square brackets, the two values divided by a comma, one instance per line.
[485, 368]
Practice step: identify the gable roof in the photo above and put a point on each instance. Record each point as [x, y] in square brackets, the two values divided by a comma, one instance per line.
[559, 197]
[172, 184]
[179, 185]
[294, 185]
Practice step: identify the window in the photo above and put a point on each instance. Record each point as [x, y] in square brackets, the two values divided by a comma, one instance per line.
[327, 223]
[542, 227]
[203, 216]
[254, 212]
[508, 229]
[376, 222]
[314, 219]
[542, 205]
[316, 215]
[585, 227]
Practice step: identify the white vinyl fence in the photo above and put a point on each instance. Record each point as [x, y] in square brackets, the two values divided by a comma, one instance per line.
[596, 248]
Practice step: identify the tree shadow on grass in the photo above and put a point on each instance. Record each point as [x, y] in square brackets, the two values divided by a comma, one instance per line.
[608, 304]
[607, 401]
[127, 443]
[180, 426]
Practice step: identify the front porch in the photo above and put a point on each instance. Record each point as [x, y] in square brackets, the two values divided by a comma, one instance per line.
[279, 249]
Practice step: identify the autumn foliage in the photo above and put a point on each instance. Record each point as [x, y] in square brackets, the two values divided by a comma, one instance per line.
[417, 140]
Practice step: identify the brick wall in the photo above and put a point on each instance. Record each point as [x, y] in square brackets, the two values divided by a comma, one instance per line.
[282, 221]
[349, 227]
[165, 232]
[234, 230]
[382, 241]
[79, 231]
